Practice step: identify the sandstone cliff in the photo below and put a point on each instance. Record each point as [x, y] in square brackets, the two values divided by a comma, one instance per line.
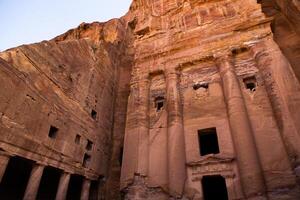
[60, 83]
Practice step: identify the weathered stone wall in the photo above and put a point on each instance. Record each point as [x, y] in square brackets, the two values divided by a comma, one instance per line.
[59, 83]
[219, 45]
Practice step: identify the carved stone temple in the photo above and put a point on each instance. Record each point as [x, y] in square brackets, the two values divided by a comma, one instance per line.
[178, 99]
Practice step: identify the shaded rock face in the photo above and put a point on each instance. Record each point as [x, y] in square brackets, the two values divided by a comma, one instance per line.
[286, 28]
[173, 101]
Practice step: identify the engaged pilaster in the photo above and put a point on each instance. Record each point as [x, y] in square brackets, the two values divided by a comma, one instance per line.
[247, 157]
[176, 144]
[63, 186]
[34, 182]
[283, 90]
[136, 153]
[143, 120]
[85, 191]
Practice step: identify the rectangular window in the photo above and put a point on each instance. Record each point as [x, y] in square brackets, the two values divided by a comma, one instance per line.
[208, 141]
[52, 132]
[250, 83]
[86, 160]
[159, 103]
[89, 145]
[77, 139]
[94, 114]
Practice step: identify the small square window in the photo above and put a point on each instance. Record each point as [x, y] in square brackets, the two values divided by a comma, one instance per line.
[77, 139]
[52, 132]
[89, 145]
[208, 141]
[94, 114]
[200, 85]
[86, 160]
[159, 103]
[250, 83]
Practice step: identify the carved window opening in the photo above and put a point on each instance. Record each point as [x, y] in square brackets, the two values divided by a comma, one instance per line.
[86, 160]
[250, 83]
[159, 103]
[208, 141]
[200, 85]
[94, 114]
[52, 132]
[214, 187]
[77, 139]
[89, 145]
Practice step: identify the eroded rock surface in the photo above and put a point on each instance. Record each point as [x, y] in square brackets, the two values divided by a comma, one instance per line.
[172, 101]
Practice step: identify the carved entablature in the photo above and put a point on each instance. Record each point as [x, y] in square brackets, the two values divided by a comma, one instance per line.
[198, 74]
[212, 165]
[208, 14]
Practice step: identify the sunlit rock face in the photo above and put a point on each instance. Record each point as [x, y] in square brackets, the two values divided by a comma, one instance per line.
[176, 100]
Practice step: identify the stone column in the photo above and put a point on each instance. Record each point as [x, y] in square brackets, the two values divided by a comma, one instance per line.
[176, 143]
[283, 90]
[34, 182]
[63, 186]
[4, 158]
[247, 157]
[143, 121]
[135, 159]
[85, 191]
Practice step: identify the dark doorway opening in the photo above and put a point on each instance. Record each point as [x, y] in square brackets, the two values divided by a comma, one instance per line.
[94, 190]
[214, 188]
[49, 184]
[15, 179]
[75, 185]
[208, 141]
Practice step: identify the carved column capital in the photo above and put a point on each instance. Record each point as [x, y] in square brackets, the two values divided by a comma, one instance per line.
[221, 56]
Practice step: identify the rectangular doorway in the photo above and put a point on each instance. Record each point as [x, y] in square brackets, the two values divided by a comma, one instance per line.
[214, 188]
